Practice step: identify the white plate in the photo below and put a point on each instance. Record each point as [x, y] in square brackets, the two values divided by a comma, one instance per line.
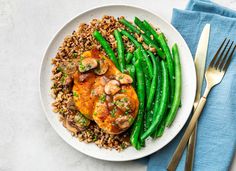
[188, 82]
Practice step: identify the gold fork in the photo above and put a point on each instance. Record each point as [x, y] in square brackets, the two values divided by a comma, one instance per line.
[214, 75]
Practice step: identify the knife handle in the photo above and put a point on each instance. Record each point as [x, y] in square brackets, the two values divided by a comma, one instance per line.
[180, 148]
[191, 150]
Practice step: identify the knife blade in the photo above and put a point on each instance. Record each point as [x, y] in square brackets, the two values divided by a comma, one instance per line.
[199, 61]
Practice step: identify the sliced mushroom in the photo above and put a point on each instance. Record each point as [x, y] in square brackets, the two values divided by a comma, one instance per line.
[123, 102]
[68, 81]
[102, 67]
[112, 87]
[123, 122]
[69, 68]
[71, 104]
[68, 124]
[98, 87]
[87, 64]
[84, 77]
[124, 78]
[110, 104]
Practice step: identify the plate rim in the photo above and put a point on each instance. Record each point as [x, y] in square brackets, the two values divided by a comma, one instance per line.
[70, 21]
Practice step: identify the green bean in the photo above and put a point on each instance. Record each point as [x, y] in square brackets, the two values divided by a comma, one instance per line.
[146, 113]
[160, 130]
[148, 62]
[120, 50]
[143, 128]
[162, 42]
[136, 128]
[156, 104]
[140, 24]
[133, 59]
[147, 84]
[131, 69]
[177, 93]
[159, 113]
[106, 47]
[169, 60]
[149, 115]
[146, 59]
[154, 82]
[129, 57]
[152, 30]
[130, 26]
[151, 43]
[155, 88]
[138, 147]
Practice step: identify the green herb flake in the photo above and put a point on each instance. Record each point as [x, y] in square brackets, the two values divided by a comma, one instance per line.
[95, 138]
[113, 112]
[63, 78]
[123, 91]
[93, 92]
[81, 66]
[126, 112]
[89, 66]
[102, 98]
[75, 54]
[59, 69]
[120, 77]
[125, 99]
[103, 58]
[75, 94]
[131, 120]
[122, 146]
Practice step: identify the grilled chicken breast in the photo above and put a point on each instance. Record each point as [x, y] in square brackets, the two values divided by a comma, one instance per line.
[103, 94]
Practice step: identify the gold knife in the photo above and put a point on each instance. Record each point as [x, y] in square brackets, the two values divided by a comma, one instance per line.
[199, 60]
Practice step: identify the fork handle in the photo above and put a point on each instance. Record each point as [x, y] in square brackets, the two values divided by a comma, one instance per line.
[191, 150]
[180, 148]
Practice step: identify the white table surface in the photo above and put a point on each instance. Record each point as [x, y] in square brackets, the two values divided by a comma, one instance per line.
[27, 141]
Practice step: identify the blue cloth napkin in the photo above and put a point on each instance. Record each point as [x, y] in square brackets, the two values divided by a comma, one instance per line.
[216, 137]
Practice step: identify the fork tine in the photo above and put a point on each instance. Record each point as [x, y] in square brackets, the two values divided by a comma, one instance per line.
[214, 59]
[229, 59]
[225, 57]
[221, 55]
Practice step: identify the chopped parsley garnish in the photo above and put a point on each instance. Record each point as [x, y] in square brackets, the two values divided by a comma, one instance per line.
[131, 120]
[81, 66]
[123, 91]
[80, 119]
[75, 94]
[113, 112]
[102, 98]
[75, 54]
[122, 145]
[59, 69]
[127, 112]
[125, 99]
[95, 138]
[93, 92]
[120, 77]
[103, 58]
[89, 66]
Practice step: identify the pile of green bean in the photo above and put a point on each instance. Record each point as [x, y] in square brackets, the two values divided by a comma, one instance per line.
[157, 77]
